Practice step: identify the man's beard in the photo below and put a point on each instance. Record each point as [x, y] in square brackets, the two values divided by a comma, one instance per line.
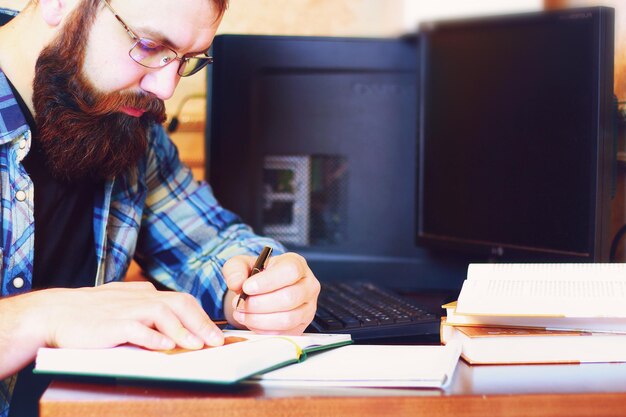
[81, 131]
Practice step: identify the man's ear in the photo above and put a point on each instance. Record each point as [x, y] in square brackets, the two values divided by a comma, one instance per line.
[53, 11]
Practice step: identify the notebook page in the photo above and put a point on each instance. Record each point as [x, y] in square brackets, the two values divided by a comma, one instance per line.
[371, 366]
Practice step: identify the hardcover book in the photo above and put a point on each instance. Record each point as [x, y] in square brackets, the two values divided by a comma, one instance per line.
[506, 345]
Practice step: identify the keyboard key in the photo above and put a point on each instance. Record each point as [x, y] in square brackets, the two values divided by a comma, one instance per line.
[368, 311]
[350, 322]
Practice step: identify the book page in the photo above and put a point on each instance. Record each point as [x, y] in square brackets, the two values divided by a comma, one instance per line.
[595, 296]
[371, 366]
[548, 271]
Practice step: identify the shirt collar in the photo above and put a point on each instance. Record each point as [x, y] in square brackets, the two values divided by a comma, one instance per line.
[12, 121]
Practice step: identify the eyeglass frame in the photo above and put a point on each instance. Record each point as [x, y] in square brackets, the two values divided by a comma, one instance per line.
[137, 39]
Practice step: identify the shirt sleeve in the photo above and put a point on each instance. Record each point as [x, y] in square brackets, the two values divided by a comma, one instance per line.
[186, 236]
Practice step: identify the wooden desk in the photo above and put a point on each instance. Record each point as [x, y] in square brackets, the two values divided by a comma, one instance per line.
[540, 390]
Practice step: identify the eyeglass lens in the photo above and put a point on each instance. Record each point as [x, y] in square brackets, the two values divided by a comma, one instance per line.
[151, 54]
[154, 55]
[191, 65]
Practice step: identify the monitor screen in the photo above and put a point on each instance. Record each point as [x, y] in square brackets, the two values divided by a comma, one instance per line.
[515, 136]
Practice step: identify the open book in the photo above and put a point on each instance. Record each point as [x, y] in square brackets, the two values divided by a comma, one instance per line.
[244, 354]
[560, 296]
[371, 366]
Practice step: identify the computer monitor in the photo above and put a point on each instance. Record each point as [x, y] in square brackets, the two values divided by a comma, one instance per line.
[516, 138]
[312, 140]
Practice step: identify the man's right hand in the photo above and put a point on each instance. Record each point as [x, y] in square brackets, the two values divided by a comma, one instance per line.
[99, 317]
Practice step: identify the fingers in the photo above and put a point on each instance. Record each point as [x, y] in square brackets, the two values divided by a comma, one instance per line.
[141, 335]
[283, 299]
[284, 322]
[281, 271]
[236, 270]
[162, 318]
[137, 313]
[179, 317]
[194, 322]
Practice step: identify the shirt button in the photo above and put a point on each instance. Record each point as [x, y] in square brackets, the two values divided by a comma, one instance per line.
[18, 282]
[20, 195]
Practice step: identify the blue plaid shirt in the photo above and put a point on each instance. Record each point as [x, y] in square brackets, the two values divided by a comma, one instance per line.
[157, 213]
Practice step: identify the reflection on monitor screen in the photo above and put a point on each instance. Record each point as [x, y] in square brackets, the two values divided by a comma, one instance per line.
[313, 141]
[305, 199]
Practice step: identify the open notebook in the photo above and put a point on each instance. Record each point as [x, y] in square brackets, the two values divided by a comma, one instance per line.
[244, 354]
[371, 366]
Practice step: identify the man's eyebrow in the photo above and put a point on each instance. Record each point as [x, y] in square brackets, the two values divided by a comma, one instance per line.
[159, 37]
[156, 36]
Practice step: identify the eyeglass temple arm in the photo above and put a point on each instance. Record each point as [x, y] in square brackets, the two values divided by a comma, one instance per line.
[119, 19]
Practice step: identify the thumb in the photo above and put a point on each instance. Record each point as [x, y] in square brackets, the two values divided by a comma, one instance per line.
[236, 270]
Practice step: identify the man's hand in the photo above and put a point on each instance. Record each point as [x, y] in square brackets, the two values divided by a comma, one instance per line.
[281, 299]
[104, 316]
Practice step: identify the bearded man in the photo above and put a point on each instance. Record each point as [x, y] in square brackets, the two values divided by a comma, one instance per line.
[89, 180]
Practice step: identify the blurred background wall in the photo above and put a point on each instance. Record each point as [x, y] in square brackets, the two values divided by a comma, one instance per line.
[369, 18]
[363, 18]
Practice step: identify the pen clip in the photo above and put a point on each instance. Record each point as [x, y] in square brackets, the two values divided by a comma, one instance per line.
[259, 264]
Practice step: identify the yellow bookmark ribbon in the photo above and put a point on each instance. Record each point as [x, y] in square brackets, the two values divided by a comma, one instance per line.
[299, 351]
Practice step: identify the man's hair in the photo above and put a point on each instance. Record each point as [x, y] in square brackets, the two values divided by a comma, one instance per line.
[221, 5]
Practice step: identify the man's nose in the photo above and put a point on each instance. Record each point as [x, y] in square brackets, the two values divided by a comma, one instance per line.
[161, 82]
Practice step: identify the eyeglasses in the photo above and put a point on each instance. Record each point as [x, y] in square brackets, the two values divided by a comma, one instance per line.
[151, 54]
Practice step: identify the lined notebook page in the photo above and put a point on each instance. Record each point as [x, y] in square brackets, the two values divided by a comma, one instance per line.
[571, 290]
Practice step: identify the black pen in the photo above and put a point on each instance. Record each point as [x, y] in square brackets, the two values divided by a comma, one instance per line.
[259, 265]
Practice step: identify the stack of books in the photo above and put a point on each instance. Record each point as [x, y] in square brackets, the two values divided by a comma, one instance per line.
[540, 313]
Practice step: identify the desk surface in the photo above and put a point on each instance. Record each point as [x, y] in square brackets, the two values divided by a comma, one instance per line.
[519, 390]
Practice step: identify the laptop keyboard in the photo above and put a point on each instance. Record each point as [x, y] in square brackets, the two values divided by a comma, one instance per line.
[368, 311]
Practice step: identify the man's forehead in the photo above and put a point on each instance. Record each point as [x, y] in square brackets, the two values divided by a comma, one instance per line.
[186, 25]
